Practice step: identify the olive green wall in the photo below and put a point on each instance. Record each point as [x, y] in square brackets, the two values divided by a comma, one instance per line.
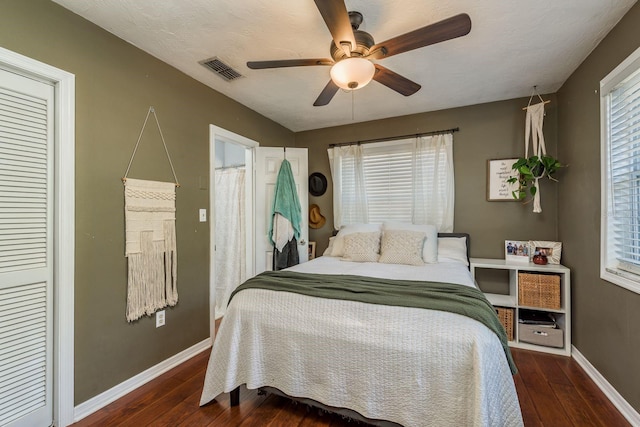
[115, 85]
[487, 131]
[606, 317]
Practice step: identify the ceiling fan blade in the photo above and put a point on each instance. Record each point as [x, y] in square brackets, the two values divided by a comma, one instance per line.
[395, 81]
[335, 15]
[259, 65]
[327, 94]
[447, 29]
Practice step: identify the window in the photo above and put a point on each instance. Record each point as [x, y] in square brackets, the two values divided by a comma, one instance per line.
[387, 181]
[620, 121]
[408, 180]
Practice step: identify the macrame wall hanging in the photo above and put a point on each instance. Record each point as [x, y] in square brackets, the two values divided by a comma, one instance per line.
[150, 242]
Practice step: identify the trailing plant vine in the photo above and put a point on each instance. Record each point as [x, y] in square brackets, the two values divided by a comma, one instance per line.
[529, 169]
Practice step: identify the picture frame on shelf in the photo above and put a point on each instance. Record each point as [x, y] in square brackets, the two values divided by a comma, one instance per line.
[552, 250]
[312, 250]
[517, 251]
[498, 172]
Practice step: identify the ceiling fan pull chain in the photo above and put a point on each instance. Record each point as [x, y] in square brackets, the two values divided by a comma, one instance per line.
[353, 116]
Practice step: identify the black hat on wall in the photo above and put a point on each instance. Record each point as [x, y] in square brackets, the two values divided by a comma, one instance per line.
[317, 184]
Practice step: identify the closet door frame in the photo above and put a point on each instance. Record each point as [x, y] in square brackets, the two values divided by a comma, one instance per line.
[64, 224]
[216, 132]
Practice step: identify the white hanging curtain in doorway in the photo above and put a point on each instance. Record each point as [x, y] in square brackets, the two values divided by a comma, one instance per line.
[230, 235]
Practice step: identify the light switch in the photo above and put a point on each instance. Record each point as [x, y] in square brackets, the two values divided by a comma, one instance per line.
[203, 215]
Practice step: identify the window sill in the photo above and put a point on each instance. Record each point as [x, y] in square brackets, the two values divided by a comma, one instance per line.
[621, 278]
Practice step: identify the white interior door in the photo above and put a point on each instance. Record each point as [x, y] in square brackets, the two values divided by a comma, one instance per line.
[267, 166]
[26, 259]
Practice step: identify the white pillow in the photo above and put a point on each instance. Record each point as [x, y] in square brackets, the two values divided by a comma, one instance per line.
[402, 247]
[338, 242]
[362, 247]
[430, 247]
[453, 249]
[327, 252]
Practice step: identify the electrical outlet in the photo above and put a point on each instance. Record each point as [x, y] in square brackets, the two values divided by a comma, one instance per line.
[203, 215]
[160, 318]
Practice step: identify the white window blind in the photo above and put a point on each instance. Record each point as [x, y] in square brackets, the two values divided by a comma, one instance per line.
[621, 175]
[625, 168]
[388, 181]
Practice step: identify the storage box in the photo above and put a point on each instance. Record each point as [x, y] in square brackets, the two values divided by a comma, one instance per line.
[536, 334]
[539, 290]
[505, 315]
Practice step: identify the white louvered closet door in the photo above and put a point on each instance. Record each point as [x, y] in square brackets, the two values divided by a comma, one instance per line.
[26, 233]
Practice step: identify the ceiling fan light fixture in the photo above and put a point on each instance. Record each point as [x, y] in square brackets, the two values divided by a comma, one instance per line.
[352, 73]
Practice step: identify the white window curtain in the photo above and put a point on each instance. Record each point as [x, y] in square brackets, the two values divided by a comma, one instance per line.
[409, 180]
[349, 192]
[230, 235]
[433, 181]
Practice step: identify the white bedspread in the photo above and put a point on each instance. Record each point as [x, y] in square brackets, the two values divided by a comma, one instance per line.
[412, 366]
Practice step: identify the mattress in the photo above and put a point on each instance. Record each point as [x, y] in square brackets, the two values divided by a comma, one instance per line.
[410, 366]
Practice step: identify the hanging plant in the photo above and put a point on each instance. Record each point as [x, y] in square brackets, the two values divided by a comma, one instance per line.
[530, 170]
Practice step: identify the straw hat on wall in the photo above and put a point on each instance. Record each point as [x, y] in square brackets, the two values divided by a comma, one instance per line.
[316, 219]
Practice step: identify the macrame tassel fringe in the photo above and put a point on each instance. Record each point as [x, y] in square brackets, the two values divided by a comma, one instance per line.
[153, 275]
[170, 263]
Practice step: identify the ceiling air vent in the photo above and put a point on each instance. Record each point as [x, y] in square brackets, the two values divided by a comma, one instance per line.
[221, 69]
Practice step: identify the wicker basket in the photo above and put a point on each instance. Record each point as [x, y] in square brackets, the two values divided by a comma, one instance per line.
[539, 290]
[505, 315]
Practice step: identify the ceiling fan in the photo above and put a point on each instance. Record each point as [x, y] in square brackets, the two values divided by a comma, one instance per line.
[352, 51]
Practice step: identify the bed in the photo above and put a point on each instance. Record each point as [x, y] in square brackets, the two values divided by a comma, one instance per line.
[385, 364]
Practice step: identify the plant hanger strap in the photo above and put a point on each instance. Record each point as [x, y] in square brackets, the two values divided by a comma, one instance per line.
[533, 128]
[535, 93]
[151, 110]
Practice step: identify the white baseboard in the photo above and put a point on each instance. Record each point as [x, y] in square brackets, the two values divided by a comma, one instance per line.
[100, 401]
[612, 394]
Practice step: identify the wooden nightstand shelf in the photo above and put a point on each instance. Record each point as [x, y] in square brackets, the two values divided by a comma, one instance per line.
[510, 299]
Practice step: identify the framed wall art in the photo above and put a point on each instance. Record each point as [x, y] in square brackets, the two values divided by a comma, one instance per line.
[552, 250]
[498, 172]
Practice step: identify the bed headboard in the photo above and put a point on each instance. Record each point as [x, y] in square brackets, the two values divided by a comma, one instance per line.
[466, 236]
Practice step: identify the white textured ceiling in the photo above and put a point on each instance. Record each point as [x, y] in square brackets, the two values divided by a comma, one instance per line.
[513, 45]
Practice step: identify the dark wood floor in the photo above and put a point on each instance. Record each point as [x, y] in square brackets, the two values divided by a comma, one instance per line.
[553, 391]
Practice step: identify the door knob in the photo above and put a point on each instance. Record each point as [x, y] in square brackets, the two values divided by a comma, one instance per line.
[302, 242]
